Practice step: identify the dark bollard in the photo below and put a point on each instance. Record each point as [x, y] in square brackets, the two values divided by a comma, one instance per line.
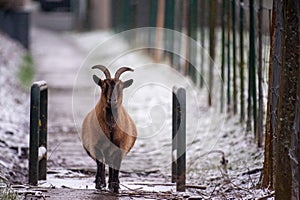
[43, 133]
[181, 141]
[34, 135]
[179, 138]
[38, 131]
[175, 109]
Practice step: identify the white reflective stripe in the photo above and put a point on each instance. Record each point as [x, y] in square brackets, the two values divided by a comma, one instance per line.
[174, 154]
[42, 152]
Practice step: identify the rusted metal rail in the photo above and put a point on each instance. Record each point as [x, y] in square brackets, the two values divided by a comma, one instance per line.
[38, 132]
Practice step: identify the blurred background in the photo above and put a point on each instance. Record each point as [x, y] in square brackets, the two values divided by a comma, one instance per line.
[118, 15]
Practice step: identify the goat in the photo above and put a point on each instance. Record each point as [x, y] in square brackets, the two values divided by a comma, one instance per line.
[108, 132]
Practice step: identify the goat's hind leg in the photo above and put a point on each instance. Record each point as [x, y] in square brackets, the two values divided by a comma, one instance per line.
[100, 175]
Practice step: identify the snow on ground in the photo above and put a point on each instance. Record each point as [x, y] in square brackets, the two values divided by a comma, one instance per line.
[14, 115]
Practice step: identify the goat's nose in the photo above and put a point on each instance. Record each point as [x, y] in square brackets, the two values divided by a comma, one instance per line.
[114, 101]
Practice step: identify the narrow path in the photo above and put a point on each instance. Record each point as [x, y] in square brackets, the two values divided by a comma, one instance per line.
[59, 57]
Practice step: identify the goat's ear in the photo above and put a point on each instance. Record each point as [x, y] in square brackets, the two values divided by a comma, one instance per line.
[97, 80]
[128, 83]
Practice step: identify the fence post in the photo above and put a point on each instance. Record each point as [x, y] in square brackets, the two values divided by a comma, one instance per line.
[38, 132]
[169, 24]
[179, 138]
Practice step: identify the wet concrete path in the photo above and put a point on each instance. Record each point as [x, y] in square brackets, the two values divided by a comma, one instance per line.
[63, 60]
[58, 58]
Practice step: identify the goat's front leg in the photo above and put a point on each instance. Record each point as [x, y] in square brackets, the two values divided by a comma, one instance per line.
[110, 175]
[113, 181]
[100, 175]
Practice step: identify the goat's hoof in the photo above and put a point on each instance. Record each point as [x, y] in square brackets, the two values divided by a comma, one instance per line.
[100, 186]
[114, 187]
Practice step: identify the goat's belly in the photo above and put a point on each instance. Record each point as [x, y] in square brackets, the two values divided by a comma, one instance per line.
[102, 149]
[93, 139]
[97, 145]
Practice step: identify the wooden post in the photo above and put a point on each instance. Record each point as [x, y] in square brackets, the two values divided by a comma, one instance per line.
[185, 24]
[223, 15]
[159, 32]
[260, 78]
[202, 40]
[192, 33]
[233, 18]
[177, 27]
[241, 29]
[169, 24]
[212, 44]
[228, 14]
[153, 19]
[252, 66]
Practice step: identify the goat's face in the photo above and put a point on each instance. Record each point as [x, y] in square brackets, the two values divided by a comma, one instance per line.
[112, 88]
[112, 91]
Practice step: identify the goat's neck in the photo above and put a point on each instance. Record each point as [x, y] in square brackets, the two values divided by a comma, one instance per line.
[109, 115]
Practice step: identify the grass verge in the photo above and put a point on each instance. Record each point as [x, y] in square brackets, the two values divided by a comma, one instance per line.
[7, 193]
[26, 71]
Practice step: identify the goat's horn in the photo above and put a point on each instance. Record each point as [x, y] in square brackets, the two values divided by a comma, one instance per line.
[122, 70]
[104, 69]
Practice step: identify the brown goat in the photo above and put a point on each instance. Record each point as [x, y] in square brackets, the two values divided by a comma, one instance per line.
[108, 132]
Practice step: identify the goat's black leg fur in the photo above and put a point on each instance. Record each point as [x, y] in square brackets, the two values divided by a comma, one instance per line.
[113, 183]
[100, 175]
[111, 172]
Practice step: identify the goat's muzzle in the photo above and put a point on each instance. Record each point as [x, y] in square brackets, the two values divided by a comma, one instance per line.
[112, 102]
